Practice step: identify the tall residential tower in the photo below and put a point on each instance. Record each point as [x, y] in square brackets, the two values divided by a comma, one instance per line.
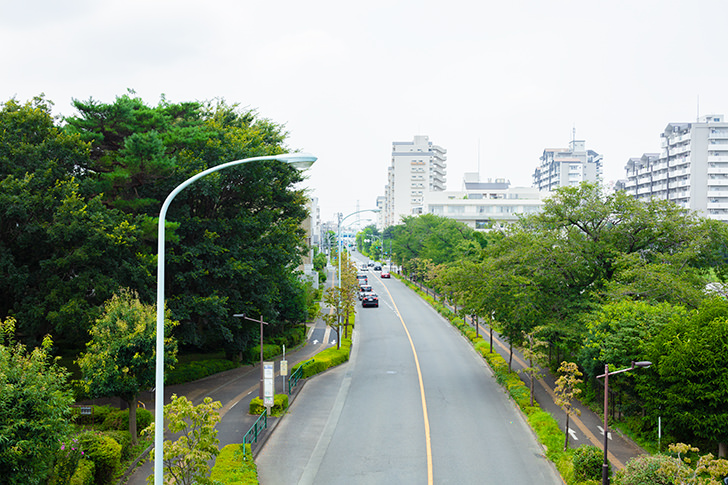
[417, 167]
[690, 170]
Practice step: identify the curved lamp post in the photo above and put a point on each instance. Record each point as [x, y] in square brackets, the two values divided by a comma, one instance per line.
[635, 365]
[338, 236]
[298, 160]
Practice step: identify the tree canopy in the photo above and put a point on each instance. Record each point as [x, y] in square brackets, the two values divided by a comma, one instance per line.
[79, 200]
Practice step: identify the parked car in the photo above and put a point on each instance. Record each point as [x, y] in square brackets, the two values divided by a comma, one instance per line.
[385, 274]
[364, 289]
[370, 299]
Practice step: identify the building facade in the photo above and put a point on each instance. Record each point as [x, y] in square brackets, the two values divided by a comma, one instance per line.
[417, 167]
[691, 168]
[485, 205]
[563, 167]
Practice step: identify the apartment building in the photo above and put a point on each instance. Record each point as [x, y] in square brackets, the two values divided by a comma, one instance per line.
[691, 168]
[563, 167]
[485, 205]
[418, 167]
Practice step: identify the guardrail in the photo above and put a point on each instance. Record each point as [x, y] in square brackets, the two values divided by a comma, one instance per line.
[296, 376]
[260, 424]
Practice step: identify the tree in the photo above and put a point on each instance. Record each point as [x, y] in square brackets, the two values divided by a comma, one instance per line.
[120, 358]
[686, 384]
[186, 459]
[35, 405]
[342, 298]
[567, 392]
[534, 352]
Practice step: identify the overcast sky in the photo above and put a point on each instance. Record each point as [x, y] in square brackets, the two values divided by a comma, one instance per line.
[494, 83]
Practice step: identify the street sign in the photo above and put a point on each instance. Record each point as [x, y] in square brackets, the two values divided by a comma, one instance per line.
[268, 389]
[284, 367]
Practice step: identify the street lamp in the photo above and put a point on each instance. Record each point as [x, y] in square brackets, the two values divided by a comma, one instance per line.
[243, 316]
[338, 235]
[642, 364]
[298, 160]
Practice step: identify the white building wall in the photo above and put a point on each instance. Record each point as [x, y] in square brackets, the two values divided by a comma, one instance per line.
[691, 168]
[417, 167]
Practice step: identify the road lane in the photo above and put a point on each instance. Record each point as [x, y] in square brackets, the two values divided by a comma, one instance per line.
[380, 432]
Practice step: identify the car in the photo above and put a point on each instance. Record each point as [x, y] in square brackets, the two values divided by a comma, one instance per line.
[370, 263]
[364, 267]
[377, 267]
[362, 278]
[364, 289]
[385, 274]
[370, 299]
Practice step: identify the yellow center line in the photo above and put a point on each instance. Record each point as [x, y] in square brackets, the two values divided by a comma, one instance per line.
[428, 441]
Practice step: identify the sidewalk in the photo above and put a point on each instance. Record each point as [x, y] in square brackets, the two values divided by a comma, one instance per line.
[235, 388]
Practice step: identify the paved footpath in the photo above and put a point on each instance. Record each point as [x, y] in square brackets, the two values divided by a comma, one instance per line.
[235, 389]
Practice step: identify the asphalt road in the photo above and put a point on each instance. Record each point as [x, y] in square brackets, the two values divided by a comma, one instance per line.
[415, 404]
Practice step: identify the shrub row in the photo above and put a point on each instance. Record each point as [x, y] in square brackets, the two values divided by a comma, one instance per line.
[235, 466]
[109, 418]
[192, 371]
[91, 457]
[576, 471]
[325, 359]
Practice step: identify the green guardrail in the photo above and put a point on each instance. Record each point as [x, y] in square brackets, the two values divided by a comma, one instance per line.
[260, 424]
[296, 376]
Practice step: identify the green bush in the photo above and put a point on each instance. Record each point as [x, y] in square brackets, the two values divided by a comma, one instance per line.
[192, 371]
[234, 466]
[124, 439]
[280, 404]
[645, 470]
[326, 359]
[97, 416]
[588, 461]
[104, 451]
[84, 474]
[119, 420]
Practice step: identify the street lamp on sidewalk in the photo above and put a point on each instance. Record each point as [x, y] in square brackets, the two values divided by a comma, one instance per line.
[642, 364]
[298, 160]
[243, 316]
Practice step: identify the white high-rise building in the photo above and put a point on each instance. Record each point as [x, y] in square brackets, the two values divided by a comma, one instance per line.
[562, 167]
[417, 167]
[691, 168]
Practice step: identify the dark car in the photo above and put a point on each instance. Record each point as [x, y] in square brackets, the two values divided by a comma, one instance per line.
[370, 299]
[364, 289]
[377, 267]
[385, 274]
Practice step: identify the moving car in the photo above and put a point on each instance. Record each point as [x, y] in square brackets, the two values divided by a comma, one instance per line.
[370, 299]
[377, 267]
[364, 289]
[362, 278]
[385, 274]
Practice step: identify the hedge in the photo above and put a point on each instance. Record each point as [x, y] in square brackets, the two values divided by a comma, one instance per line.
[84, 474]
[192, 371]
[235, 467]
[280, 404]
[104, 451]
[325, 359]
[119, 420]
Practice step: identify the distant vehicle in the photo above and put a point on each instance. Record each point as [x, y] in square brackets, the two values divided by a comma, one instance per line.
[364, 267]
[362, 278]
[370, 263]
[364, 289]
[377, 267]
[370, 299]
[385, 274]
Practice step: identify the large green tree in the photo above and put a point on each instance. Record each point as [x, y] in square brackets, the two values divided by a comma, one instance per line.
[120, 358]
[35, 406]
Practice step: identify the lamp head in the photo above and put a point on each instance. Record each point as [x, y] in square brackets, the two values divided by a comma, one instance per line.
[643, 363]
[301, 161]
